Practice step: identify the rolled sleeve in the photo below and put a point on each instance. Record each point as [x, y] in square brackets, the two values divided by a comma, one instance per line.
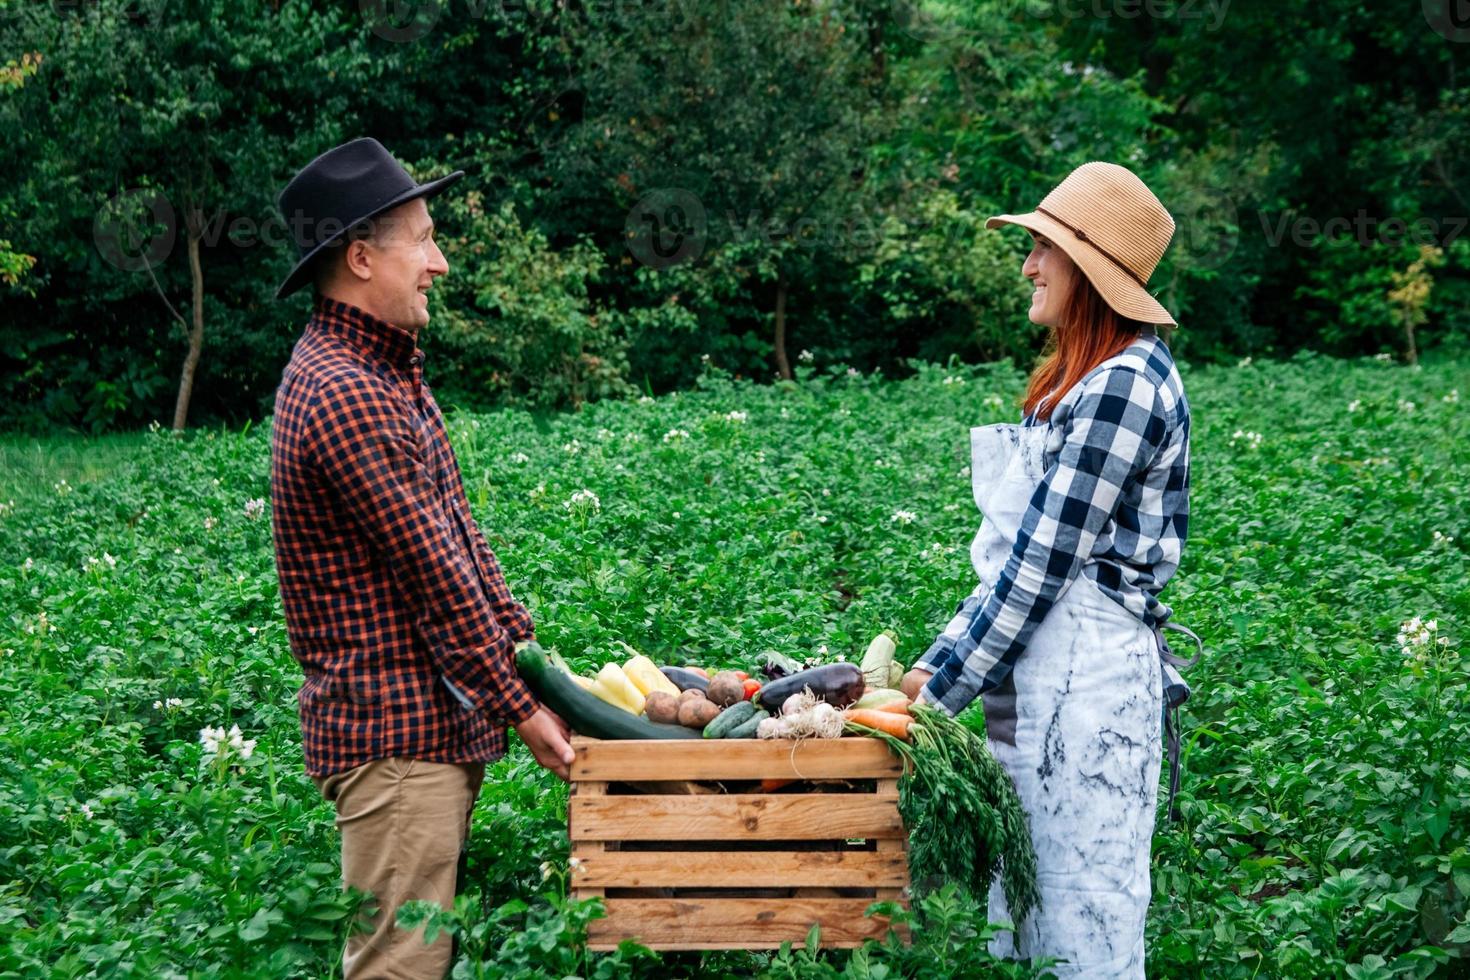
[1113, 433]
[366, 445]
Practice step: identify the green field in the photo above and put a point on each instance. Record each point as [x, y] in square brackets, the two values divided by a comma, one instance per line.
[1326, 801]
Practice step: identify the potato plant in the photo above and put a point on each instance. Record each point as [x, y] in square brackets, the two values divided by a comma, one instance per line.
[156, 820]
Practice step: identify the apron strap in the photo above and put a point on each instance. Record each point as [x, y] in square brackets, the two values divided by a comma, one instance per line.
[1176, 692]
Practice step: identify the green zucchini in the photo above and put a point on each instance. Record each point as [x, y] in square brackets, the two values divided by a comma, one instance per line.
[729, 719]
[585, 713]
[746, 729]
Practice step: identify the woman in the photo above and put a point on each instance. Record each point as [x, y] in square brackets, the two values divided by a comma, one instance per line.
[1085, 507]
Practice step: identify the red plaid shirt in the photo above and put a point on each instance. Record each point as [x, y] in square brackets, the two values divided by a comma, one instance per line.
[395, 606]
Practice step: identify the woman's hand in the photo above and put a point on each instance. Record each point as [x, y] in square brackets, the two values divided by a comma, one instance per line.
[913, 682]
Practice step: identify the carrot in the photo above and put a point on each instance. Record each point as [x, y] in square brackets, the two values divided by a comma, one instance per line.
[899, 707]
[882, 721]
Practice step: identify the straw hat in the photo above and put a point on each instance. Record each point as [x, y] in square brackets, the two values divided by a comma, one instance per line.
[1112, 227]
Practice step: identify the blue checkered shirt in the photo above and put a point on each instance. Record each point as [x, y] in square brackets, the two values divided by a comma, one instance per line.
[1113, 505]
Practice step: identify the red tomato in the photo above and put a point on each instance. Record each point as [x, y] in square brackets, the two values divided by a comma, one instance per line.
[741, 674]
[751, 687]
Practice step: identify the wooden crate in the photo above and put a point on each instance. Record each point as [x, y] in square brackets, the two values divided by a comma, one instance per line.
[688, 853]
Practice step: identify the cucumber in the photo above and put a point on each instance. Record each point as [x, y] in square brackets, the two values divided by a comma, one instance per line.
[729, 719]
[747, 728]
[583, 711]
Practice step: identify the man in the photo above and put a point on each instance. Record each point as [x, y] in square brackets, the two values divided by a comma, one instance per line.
[395, 606]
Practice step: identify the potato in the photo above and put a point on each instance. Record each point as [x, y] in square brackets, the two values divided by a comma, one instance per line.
[696, 713]
[662, 707]
[693, 694]
[726, 688]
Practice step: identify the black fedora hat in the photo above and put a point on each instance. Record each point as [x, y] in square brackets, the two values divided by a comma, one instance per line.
[344, 187]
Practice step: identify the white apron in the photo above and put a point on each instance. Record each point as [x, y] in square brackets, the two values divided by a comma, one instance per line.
[1077, 725]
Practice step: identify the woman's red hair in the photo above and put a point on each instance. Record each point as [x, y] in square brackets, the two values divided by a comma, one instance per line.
[1088, 333]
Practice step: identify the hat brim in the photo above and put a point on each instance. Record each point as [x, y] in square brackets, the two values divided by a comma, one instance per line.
[1118, 289]
[301, 274]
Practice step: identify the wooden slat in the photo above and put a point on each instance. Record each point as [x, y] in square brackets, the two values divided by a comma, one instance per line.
[722, 869]
[887, 789]
[734, 923]
[815, 816]
[589, 790]
[832, 758]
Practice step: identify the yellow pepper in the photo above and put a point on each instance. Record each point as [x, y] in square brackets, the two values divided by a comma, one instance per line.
[646, 676]
[613, 686]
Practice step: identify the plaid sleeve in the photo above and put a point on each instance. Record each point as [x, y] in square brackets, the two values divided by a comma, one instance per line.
[944, 644]
[1115, 430]
[365, 444]
[513, 616]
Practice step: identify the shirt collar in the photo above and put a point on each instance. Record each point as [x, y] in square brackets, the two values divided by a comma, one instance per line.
[365, 332]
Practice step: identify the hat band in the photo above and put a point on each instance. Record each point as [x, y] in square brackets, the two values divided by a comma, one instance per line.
[1105, 253]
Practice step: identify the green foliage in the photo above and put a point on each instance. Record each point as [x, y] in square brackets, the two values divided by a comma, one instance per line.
[518, 321]
[1326, 800]
[842, 159]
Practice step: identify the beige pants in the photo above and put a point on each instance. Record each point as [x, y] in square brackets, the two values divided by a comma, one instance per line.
[404, 823]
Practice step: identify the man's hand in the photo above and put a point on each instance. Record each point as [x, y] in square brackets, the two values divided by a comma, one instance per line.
[913, 682]
[547, 736]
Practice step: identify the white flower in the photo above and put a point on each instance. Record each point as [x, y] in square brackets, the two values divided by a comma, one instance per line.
[211, 738]
[1354, 405]
[645, 400]
[583, 500]
[254, 508]
[952, 380]
[209, 523]
[1453, 397]
[994, 401]
[29, 564]
[87, 811]
[805, 357]
[760, 455]
[904, 517]
[92, 564]
[822, 650]
[826, 492]
[1251, 439]
[1439, 539]
[674, 434]
[520, 458]
[538, 491]
[854, 373]
[1244, 362]
[678, 514]
[574, 447]
[546, 870]
[168, 704]
[736, 416]
[62, 487]
[821, 518]
[604, 435]
[703, 358]
[1383, 358]
[965, 471]
[1405, 406]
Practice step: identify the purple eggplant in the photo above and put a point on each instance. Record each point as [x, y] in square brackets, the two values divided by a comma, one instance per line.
[838, 684]
[685, 679]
